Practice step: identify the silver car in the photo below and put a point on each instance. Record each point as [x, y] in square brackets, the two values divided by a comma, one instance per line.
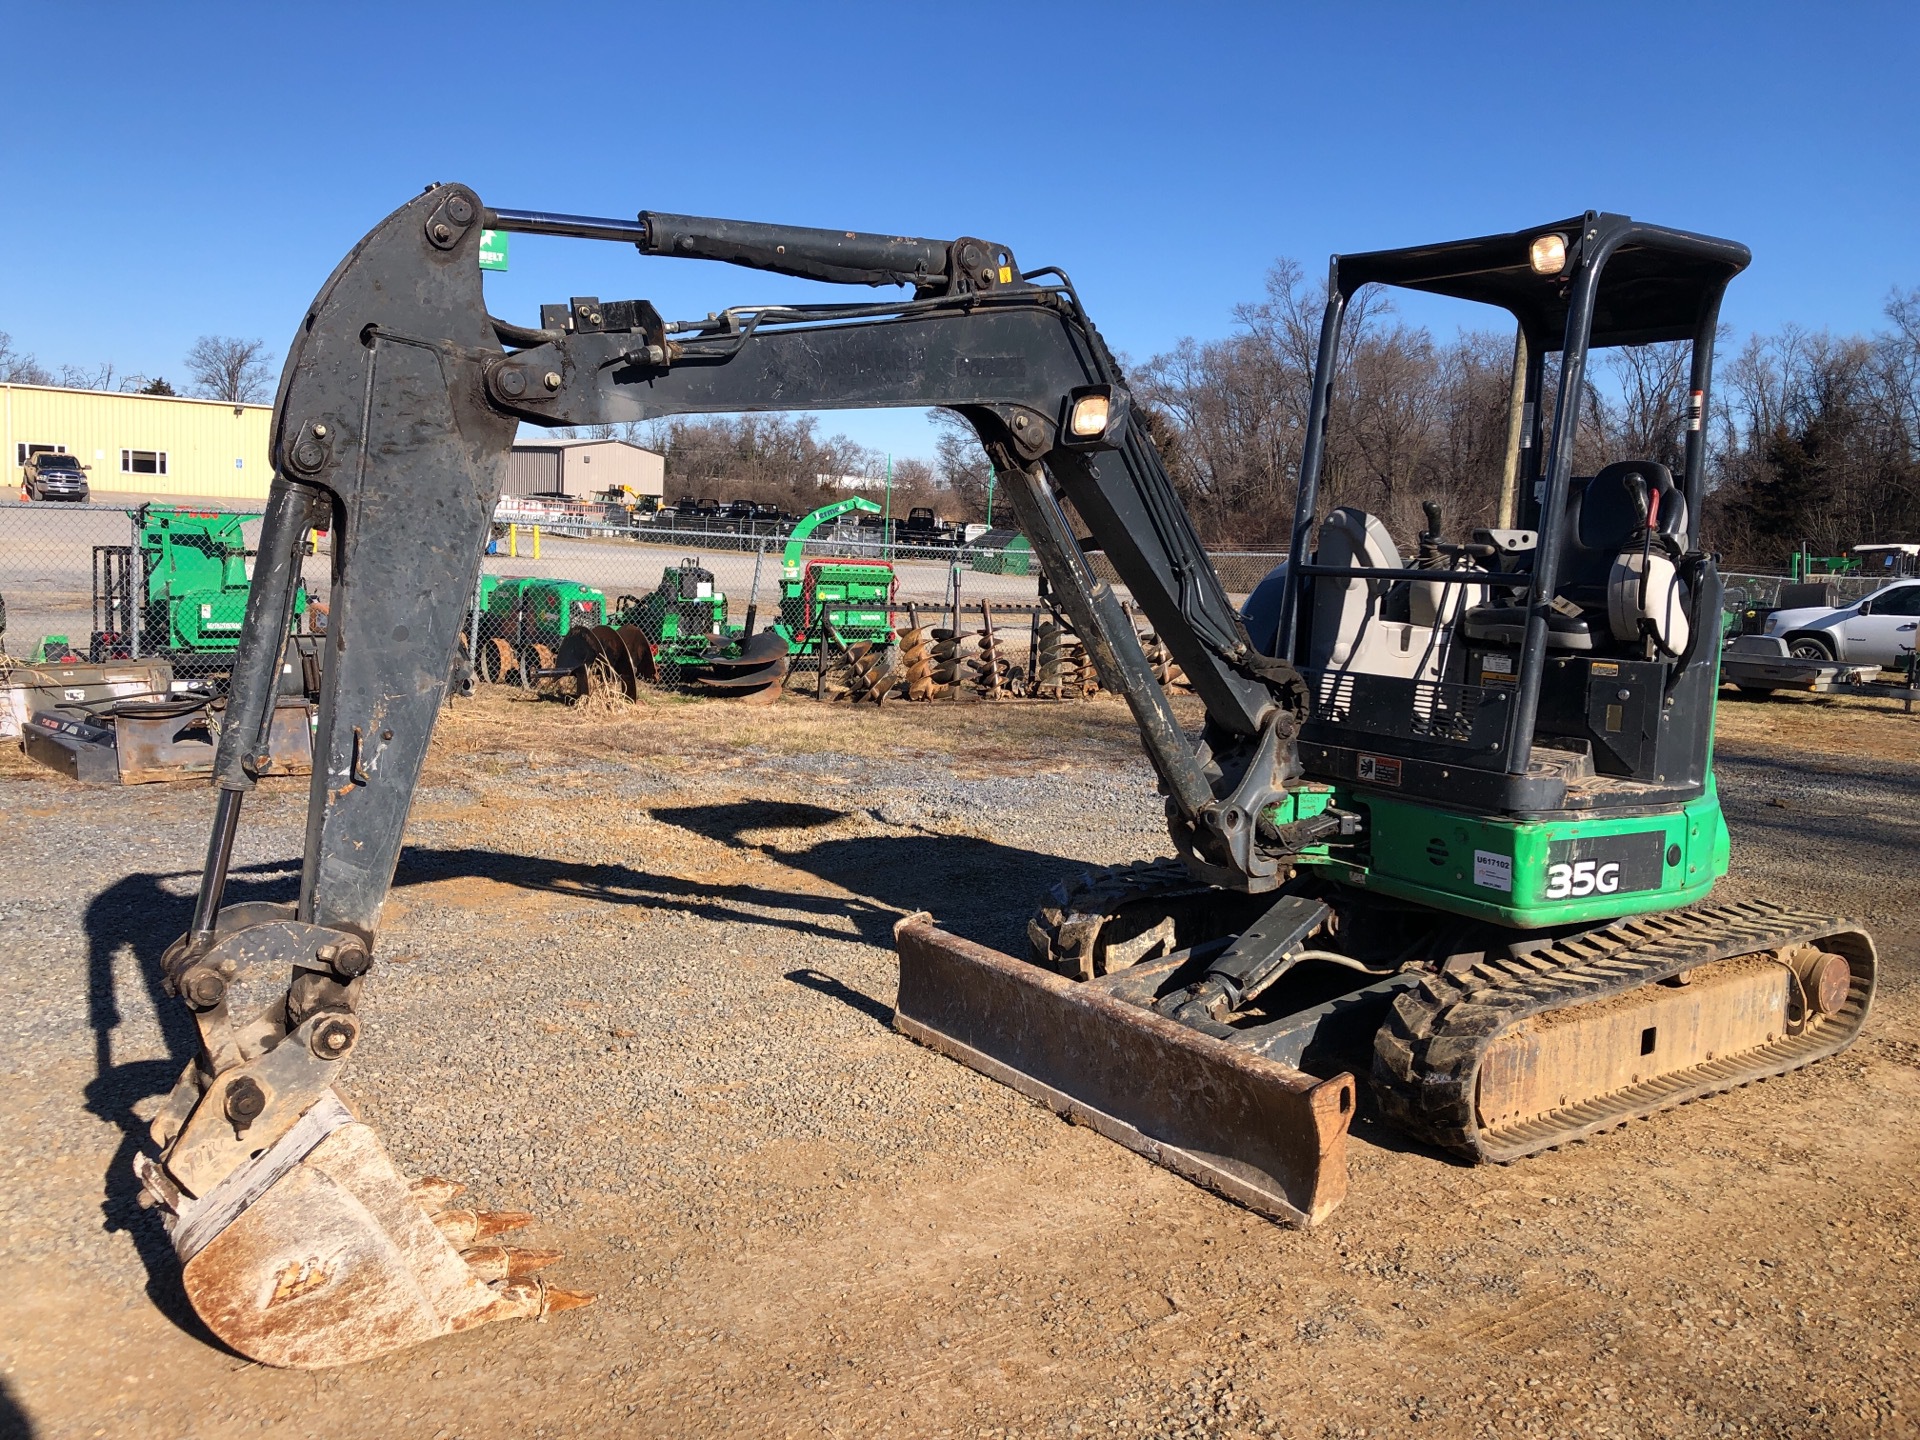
[1878, 630]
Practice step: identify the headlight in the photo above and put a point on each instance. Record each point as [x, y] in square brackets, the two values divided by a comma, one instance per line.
[1770, 624]
[1089, 416]
[1548, 254]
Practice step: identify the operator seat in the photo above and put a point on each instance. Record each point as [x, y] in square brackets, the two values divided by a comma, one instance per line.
[1604, 520]
[1345, 610]
[1600, 565]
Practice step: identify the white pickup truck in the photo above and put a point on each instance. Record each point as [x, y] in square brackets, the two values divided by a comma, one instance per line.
[1878, 630]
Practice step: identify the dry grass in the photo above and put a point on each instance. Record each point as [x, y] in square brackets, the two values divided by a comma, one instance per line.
[14, 764]
[1840, 726]
[958, 735]
[604, 695]
[502, 721]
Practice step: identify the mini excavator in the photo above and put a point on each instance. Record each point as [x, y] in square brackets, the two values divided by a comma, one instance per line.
[1450, 824]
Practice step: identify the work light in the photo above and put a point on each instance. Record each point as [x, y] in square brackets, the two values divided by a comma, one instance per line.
[1089, 417]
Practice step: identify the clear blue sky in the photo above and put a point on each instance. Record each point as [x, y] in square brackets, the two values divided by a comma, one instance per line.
[169, 171]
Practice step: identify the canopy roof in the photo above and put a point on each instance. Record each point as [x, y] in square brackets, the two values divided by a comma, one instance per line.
[1656, 284]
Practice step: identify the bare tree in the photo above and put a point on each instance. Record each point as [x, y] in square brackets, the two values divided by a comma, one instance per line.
[960, 465]
[19, 368]
[770, 459]
[225, 367]
[88, 377]
[916, 483]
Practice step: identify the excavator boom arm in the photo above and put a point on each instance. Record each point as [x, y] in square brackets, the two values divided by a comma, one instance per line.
[393, 424]
[397, 411]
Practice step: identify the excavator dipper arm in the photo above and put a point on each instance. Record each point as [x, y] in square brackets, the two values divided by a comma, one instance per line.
[395, 416]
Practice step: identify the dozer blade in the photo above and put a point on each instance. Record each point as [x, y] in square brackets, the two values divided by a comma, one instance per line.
[318, 1253]
[1264, 1134]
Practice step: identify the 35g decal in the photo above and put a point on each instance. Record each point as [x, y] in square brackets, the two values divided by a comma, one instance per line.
[1605, 865]
[1583, 877]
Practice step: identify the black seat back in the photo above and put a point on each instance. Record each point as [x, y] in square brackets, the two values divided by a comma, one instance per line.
[1609, 517]
[1604, 519]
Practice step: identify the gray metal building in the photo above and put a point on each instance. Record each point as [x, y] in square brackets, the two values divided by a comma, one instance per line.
[583, 468]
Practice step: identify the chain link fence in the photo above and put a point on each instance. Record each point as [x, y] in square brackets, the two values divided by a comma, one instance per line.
[168, 580]
[990, 594]
[1762, 592]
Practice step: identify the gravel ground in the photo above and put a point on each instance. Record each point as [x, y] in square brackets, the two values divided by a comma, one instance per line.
[636, 977]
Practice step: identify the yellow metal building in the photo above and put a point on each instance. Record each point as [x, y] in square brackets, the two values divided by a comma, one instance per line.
[141, 444]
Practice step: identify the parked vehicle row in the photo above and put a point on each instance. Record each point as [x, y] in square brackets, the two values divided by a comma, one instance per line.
[1878, 630]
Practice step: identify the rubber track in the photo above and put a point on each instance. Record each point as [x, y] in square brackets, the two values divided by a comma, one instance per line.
[1427, 1055]
[1062, 934]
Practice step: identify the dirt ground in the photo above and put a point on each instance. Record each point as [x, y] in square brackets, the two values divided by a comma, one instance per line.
[636, 978]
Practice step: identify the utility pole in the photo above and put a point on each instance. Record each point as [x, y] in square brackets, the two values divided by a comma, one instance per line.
[992, 475]
[1509, 506]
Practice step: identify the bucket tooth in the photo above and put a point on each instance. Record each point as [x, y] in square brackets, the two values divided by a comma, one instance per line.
[498, 1222]
[535, 1298]
[553, 1299]
[435, 1192]
[507, 1262]
[464, 1226]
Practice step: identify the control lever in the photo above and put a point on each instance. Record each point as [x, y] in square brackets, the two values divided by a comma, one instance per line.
[1429, 556]
[1644, 507]
[1432, 547]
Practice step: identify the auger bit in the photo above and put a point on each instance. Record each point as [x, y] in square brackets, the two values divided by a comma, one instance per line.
[302, 1244]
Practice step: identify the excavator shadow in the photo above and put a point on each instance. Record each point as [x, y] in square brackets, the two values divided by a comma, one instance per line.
[139, 916]
[15, 1423]
[979, 889]
[616, 884]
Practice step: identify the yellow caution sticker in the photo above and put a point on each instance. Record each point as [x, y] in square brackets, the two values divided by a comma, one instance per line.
[1006, 274]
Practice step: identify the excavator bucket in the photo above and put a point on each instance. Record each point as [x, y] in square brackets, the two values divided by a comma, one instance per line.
[319, 1253]
[1261, 1133]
